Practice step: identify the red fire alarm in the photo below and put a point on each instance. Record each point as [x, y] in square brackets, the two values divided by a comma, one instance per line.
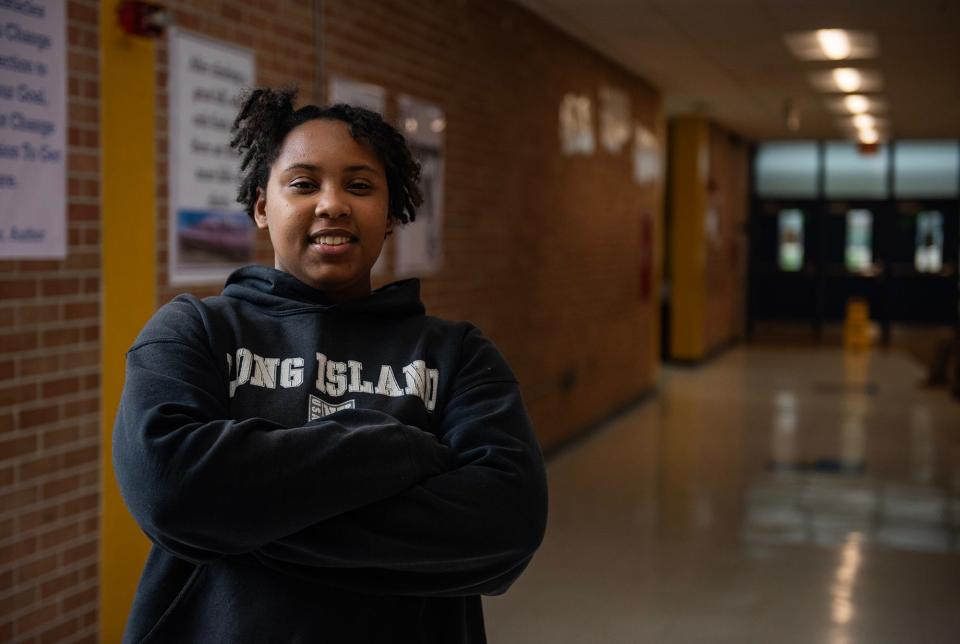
[142, 18]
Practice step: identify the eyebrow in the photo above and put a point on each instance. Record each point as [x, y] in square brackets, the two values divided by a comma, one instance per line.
[311, 167]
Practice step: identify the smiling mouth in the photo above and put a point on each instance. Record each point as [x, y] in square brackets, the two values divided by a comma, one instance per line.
[332, 240]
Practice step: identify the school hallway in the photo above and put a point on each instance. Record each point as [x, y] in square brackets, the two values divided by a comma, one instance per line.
[772, 495]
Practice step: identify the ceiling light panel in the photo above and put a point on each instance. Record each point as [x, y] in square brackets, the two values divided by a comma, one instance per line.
[832, 44]
[856, 104]
[847, 80]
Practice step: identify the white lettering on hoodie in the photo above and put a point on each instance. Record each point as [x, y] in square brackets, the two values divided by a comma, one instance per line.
[334, 378]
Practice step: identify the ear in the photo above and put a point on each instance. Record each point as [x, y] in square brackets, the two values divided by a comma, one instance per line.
[389, 230]
[260, 209]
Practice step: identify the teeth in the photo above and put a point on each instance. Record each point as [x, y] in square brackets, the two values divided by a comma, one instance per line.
[331, 240]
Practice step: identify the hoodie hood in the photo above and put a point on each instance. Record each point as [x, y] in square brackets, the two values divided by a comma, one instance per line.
[281, 293]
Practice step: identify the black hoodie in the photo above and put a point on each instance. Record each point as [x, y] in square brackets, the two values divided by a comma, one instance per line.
[318, 472]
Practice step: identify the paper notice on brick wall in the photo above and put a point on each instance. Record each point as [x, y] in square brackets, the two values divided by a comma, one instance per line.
[419, 245]
[576, 125]
[647, 166]
[351, 92]
[615, 120]
[210, 235]
[33, 126]
[372, 97]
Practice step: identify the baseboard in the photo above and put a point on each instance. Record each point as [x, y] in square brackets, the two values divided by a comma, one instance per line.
[711, 355]
[581, 435]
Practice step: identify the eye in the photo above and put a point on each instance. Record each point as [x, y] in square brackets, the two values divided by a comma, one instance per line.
[360, 186]
[302, 185]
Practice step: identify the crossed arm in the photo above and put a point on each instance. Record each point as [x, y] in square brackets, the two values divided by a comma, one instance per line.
[357, 500]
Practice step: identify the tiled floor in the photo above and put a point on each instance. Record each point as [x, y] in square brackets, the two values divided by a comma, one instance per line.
[771, 496]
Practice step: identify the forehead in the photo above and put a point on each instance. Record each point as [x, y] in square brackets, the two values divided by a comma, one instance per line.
[327, 144]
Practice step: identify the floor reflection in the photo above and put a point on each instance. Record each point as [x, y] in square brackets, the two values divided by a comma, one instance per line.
[772, 495]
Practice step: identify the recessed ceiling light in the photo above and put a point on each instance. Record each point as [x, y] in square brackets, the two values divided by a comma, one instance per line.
[834, 43]
[864, 121]
[849, 104]
[868, 136]
[847, 79]
[856, 103]
[865, 80]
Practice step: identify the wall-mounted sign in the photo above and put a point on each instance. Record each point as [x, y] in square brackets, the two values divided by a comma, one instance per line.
[615, 120]
[419, 246]
[351, 92]
[33, 124]
[210, 235]
[646, 157]
[576, 125]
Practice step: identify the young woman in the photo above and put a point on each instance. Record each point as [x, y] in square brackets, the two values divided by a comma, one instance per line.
[315, 461]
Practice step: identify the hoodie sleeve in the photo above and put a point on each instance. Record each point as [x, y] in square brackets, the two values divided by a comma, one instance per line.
[467, 531]
[202, 486]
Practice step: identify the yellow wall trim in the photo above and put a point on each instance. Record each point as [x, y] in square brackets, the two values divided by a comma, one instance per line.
[128, 233]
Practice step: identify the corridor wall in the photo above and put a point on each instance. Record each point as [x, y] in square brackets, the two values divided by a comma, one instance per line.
[544, 251]
[50, 389]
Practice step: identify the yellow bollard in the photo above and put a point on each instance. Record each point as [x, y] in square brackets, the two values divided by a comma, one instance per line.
[856, 326]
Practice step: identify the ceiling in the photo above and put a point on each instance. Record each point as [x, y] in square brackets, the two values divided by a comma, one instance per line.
[727, 59]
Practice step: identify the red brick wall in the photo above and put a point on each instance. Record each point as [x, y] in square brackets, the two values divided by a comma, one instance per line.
[49, 393]
[541, 249]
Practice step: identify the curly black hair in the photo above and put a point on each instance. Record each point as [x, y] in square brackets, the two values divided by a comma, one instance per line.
[265, 118]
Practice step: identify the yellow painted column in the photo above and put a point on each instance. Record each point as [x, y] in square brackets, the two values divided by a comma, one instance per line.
[128, 234]
[689, 166]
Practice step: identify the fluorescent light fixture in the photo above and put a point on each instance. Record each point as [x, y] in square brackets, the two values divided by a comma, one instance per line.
[834, 43]
[847, 79]
[849, 104]
[868, 136]
[856, 103]
[864, 122]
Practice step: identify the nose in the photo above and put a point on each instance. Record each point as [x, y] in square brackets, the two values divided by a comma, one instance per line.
[331, 203]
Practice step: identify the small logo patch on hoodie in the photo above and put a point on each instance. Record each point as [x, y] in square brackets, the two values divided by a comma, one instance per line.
[318, 408]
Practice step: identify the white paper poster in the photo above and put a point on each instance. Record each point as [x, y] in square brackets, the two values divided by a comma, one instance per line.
[367, 95]
[615, 119]
[646, 157]
[33, 124]
[576, 125]
[210, 235]
[351, 92]
[419, 246]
